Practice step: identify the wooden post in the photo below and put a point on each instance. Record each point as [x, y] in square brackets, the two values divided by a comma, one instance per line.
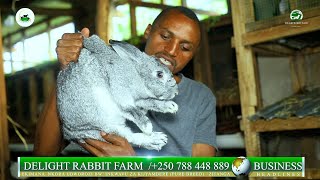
[33, 97]
[293, 4]
[247, 79]
[102, 19]
[250, 16]
[298, 71]
[133, 20]
[202, 61]
[4, 141]
[184, 3]
[18, 99]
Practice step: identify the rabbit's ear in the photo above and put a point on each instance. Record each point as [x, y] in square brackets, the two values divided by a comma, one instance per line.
[95, 44]
[125, 50]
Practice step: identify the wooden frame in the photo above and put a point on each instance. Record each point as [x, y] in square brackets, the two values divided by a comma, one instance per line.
[102, 19]
[247, 79]
[46, 11]
[286, 124]
[245, 36]
[275, 28]
[280, 31]
[4, 148]
[133, 4]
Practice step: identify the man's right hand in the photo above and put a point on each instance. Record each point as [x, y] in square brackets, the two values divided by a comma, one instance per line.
[115, 146]
[69, 47]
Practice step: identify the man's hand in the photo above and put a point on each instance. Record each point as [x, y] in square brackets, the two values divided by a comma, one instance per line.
[69, 47]
[117, 146]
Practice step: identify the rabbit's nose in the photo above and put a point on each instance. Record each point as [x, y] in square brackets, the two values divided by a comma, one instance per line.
[171, 82]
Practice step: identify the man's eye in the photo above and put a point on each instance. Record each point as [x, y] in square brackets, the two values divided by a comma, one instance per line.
[164, 37]
[185, 48]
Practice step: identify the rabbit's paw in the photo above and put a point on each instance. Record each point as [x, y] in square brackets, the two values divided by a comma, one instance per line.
[147, 128]
[171, 107]
[158, 140]
[155, 141]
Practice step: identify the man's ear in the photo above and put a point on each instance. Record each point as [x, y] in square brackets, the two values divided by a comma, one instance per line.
[147, 31]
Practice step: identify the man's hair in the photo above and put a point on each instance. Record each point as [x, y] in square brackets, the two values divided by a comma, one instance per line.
[185, 11]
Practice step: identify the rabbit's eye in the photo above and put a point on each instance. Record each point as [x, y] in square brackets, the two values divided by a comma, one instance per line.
[159, 74]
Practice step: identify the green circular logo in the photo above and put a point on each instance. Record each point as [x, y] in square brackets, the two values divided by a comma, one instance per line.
[25, 17]
[296, 15]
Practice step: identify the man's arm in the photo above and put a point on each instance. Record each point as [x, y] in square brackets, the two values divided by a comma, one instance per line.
[48, 138]
[203, 150]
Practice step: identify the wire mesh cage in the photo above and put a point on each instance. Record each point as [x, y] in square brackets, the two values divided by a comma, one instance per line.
[266, 9]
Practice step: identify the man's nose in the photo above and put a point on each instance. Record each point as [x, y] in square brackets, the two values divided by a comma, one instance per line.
[172, 48]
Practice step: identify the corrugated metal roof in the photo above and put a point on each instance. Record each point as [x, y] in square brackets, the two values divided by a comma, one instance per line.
[298, 105]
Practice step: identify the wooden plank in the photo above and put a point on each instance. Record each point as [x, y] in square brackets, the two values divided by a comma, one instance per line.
[247, 79]
[276, 49]
[224, 20]
[4, 149]
[280, 20]
[280, 31]
[33, 98]
[257, 83]
[23, 29]
[313, 50]
[45, 11]
[266, 53]
[293, 123]
[163, 6]
[102, 19]
[39, 32]
[296, 85]
[301, 70]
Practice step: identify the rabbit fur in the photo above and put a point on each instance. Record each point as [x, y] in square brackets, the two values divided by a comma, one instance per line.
[109, 85]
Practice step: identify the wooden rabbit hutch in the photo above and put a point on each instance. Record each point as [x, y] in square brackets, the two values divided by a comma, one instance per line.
[34, 84]
[264, 29]
[256, 34]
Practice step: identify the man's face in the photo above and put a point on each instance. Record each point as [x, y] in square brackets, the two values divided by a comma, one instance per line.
[174, 39]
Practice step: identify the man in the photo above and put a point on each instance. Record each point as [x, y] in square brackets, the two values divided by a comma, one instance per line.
[175, 36]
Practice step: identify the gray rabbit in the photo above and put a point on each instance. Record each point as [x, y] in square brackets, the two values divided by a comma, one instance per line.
[112, 84]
